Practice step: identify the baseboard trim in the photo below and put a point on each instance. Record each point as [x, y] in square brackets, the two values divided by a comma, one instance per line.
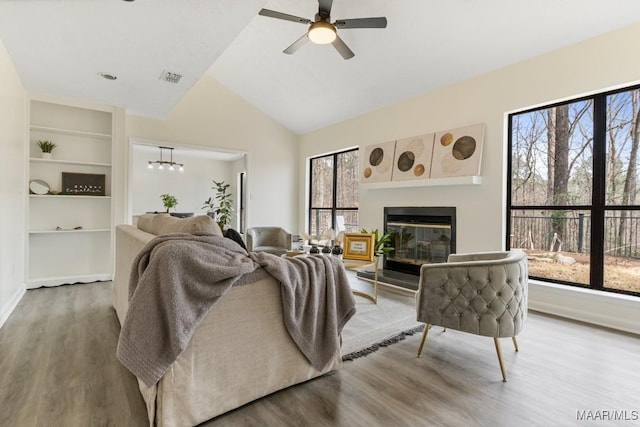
[616, 311]
[6, 311]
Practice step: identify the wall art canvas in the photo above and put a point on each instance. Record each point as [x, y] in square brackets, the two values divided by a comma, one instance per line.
[458, 152]
[413, 158]
[377, 162]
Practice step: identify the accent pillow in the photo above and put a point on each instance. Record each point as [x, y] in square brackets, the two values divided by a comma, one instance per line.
[232, 234]
[164, 224]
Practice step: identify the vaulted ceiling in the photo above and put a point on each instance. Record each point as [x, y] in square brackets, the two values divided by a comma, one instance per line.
[59, 47]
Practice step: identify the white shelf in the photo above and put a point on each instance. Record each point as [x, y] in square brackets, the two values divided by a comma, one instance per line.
[71, 132]
[460, 180]
[84, 230]
[58, 196]
[68, 162]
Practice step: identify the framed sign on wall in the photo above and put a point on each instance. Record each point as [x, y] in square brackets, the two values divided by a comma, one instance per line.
[83, 184]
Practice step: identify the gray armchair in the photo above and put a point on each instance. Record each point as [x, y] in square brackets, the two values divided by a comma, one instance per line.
[481, 293]
[274, 240]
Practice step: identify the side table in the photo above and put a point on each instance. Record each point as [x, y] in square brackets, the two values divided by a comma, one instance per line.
[355, 265]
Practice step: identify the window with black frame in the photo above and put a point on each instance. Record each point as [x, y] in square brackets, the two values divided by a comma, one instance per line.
[333, 194]
[572, 201]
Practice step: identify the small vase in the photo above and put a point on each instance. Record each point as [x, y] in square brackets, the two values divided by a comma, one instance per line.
[337, 250]
[46, 156]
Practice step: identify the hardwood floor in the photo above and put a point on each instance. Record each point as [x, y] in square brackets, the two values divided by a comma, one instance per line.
[58, 368]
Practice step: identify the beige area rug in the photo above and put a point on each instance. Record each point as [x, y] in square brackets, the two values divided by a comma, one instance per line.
[378, 325]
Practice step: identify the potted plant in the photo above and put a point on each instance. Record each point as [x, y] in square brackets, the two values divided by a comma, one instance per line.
[224, 209]
[47, 148]
[169, 201]
[380, 243]
[380, 247]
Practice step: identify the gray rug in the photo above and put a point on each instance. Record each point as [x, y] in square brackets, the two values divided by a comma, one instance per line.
[378, 325]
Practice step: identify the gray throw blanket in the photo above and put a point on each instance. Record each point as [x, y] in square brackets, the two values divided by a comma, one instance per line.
[316, 301]
[177, 278]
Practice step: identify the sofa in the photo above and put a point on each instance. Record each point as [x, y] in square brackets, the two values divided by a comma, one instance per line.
[240, 351]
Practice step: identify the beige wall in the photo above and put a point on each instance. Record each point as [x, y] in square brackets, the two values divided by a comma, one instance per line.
[604, 62]
[212, 116]
[593, 65]
[12, 185]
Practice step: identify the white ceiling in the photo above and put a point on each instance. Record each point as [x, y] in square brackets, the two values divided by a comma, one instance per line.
[59, 47]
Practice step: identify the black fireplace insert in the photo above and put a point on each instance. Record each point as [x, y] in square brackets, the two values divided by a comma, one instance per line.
[419, 235]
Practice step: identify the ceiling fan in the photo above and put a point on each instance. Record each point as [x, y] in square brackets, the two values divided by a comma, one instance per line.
[322, 31]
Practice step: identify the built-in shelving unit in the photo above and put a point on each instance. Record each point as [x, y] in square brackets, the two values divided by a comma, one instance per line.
[460, 180]
[57, 252]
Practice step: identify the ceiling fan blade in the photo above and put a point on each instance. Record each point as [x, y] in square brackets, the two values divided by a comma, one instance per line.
[380, 22]
[342, 48]
[297, 45]
[286, 17]
[325, 6]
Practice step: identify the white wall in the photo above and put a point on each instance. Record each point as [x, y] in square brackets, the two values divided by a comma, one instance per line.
[190, 188]
[212, 116]
[13, 141]
[597, 64]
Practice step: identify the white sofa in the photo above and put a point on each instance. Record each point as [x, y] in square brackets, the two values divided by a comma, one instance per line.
[240, 352]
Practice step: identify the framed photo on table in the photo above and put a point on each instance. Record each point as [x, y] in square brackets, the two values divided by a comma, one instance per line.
[358, 246]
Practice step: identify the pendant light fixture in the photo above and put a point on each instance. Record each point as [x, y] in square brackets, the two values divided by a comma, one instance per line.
[162, 163]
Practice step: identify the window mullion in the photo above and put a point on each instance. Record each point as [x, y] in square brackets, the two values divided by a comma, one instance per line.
[599, 191]
[334, 202]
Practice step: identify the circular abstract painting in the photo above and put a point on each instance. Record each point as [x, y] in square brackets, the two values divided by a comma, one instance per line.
[446, 139]
[464, 148]
[376, 156]
[406, 160]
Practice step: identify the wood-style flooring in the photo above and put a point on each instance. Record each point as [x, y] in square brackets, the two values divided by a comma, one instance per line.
[58, 368]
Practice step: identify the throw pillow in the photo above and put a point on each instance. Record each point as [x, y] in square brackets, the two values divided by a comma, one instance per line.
[165, 224]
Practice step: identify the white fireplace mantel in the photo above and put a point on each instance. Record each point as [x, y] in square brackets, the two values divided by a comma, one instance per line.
[460, 180]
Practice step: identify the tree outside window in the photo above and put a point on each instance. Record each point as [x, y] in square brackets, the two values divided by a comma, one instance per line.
[333, 200]
[572, 199]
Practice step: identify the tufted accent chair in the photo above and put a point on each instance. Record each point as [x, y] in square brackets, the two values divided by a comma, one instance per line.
[275, 240]
[480, 293]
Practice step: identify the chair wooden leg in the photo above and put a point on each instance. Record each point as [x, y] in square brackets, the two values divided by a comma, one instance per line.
[504, 374]
[424, 338]
[515, 343]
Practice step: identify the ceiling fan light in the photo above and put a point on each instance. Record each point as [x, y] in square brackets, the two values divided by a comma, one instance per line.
[322, 32]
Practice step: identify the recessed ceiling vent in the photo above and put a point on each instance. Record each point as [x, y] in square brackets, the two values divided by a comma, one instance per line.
[170, 77]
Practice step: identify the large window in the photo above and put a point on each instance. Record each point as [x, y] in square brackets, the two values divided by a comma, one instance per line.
[333, 201]
[573, 191]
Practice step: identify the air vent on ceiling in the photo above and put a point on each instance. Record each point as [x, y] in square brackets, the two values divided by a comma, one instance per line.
[170, 77]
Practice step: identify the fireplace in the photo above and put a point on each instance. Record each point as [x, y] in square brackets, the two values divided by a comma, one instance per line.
[419, 235]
